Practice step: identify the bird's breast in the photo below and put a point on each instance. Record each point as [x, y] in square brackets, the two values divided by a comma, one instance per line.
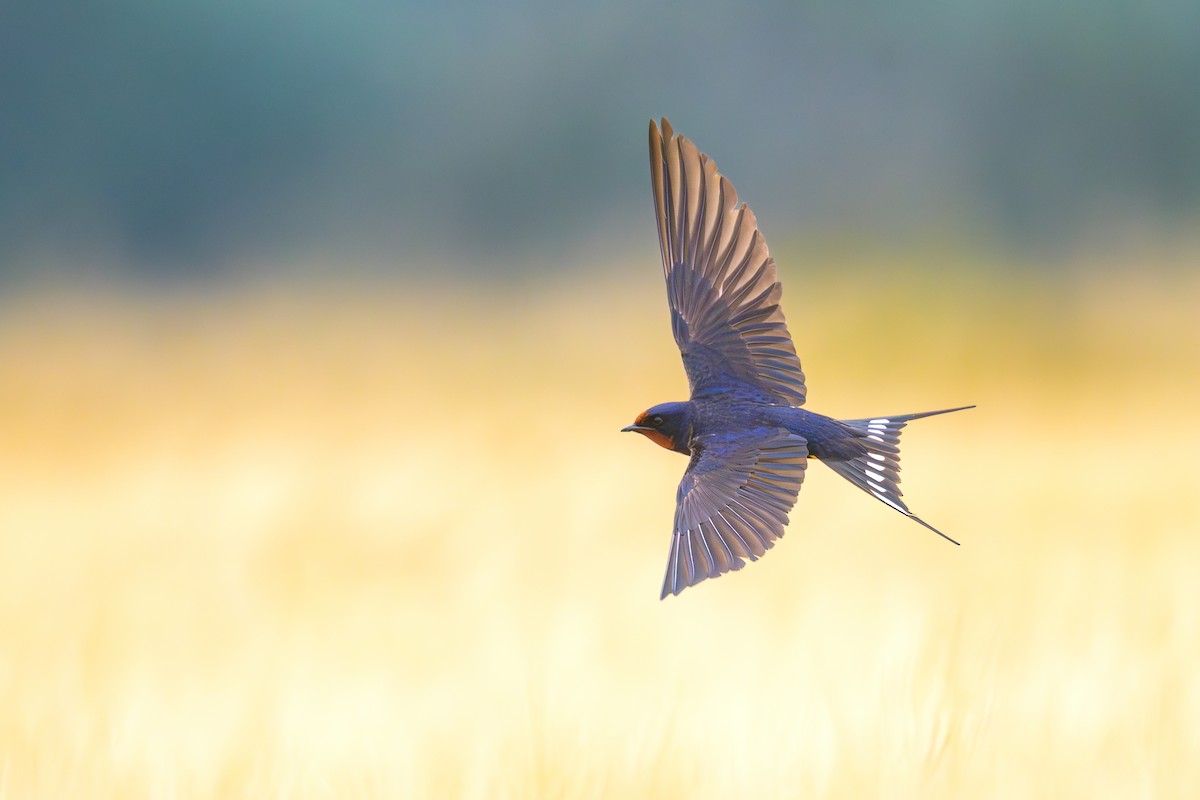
[659, 438]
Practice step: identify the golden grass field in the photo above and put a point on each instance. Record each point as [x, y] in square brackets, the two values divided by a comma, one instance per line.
[377, 540]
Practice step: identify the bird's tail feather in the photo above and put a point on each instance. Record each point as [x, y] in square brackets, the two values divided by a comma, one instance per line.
[877, 470]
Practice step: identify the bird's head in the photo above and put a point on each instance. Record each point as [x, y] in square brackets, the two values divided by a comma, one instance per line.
[668, 425]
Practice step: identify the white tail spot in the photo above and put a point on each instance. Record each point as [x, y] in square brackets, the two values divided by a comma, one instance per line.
[873, 475]
[877, 457]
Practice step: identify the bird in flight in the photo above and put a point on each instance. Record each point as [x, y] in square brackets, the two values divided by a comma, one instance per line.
[747, 437]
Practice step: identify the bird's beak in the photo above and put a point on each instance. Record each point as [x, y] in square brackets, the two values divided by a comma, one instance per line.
[634, 428]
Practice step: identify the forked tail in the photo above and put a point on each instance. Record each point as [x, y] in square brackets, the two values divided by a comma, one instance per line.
[877, 470]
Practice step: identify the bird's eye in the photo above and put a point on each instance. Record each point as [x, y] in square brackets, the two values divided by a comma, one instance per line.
[656, 421]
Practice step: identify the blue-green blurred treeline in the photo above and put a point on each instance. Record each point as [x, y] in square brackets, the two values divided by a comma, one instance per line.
[184, 136]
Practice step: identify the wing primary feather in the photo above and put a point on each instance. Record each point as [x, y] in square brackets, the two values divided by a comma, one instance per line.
[728, 560]
[743, 246]
[765, 337]
[684, 221]
[712, 563]
[689, 574]
[676, 547]
[737, 295]
[713, 236]
[713, 214]
[743, 549]
[729, 205]
[698, 213]
[755, 513]
[770, 351]
[750, 530]
[693, 180]
[674, 187]
[657, 182]
[704, 211]
[724, 256]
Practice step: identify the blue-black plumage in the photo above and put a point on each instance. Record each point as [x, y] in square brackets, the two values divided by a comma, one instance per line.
[748, 440]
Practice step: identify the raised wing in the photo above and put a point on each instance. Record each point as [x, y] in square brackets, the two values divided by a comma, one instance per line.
[721, 281]
[733, 502]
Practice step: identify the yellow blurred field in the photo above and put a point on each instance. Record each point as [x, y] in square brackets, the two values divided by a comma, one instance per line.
[379, 540]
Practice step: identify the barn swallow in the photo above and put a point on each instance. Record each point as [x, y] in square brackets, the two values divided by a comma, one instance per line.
[748, 439]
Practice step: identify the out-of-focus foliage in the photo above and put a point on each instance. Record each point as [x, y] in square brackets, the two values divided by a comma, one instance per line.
[386, 542]
[187, 136]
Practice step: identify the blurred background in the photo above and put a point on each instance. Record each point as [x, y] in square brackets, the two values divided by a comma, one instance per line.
[318, 322]
[195, 138]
